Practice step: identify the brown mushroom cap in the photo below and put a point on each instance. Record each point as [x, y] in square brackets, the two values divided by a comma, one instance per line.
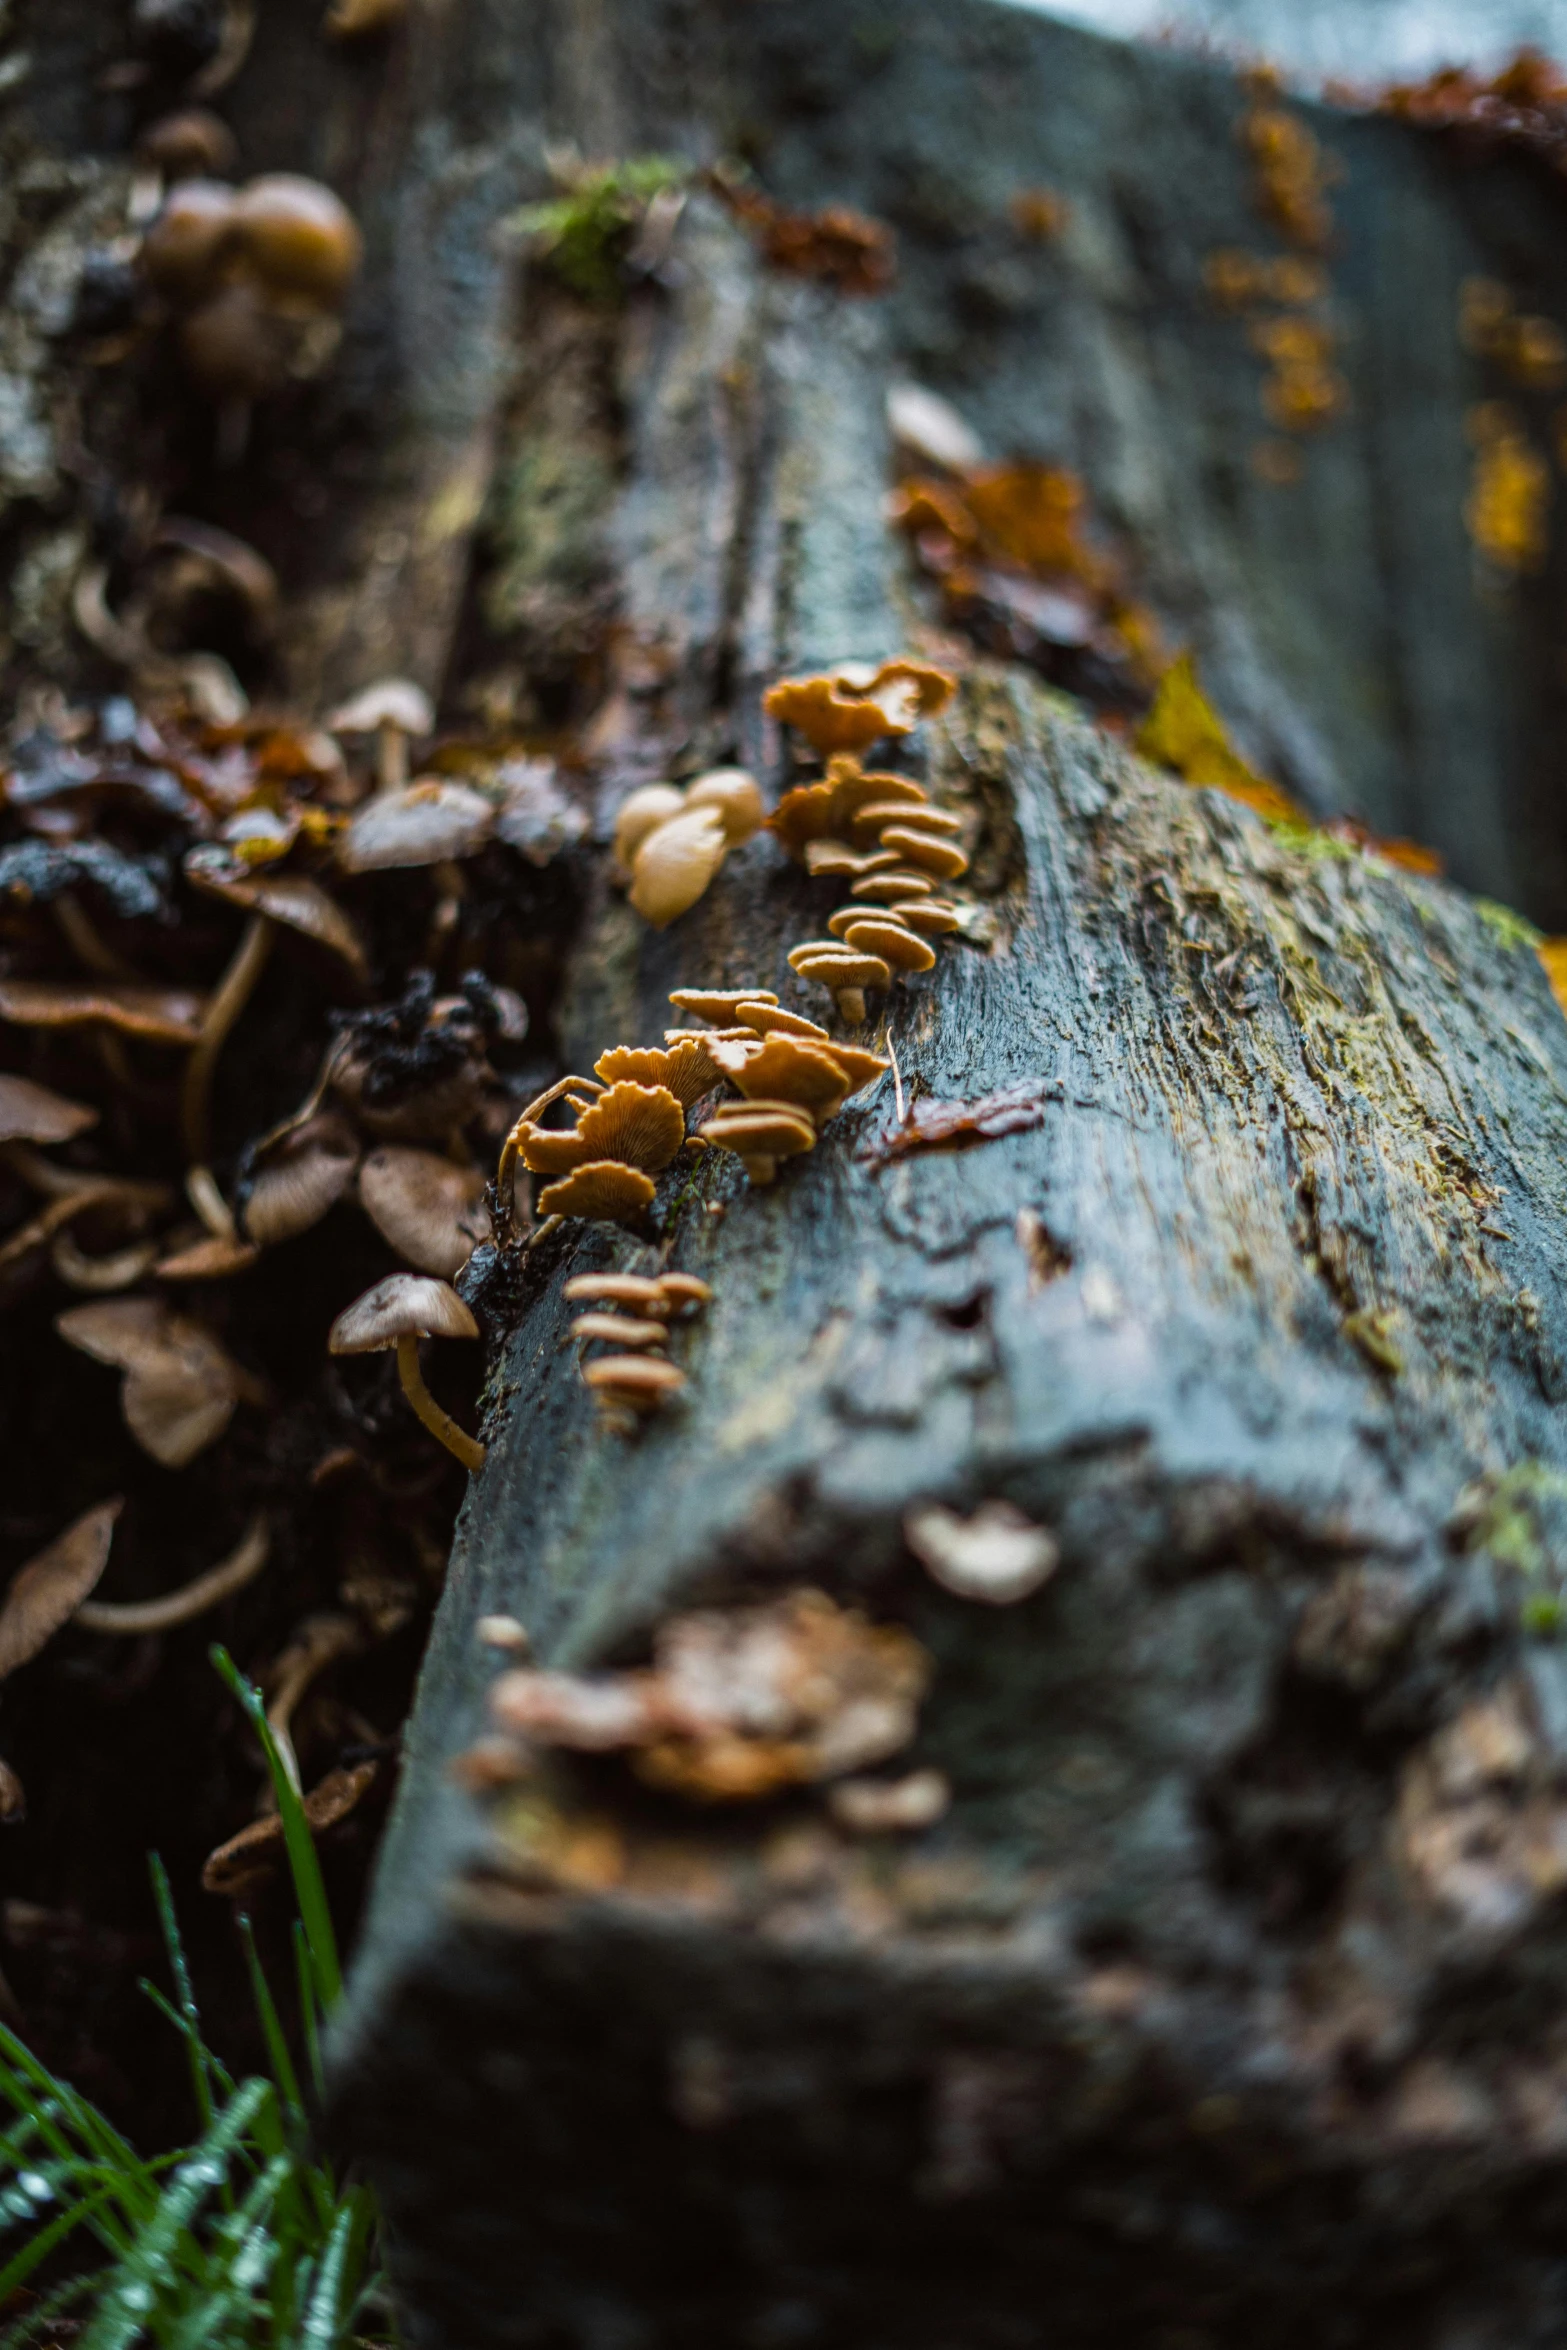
[735, 797]
[719, 1004]
[861, 1068]
[785, 1069]
[47, 1592]
[212, 1259]
[426, 823]
[641, 813]
[879, 934]
[638, 1382]
[770, 1020]
[301, 241]
[31, 1113]
[674, 864]
[158, 1015]
[807, 813]
[640, 1125]
[390, 701]
[838, 966]
[286, 898]
[871, 819]
[305, 1175]
[620, 1330]
[188, 145]
[924, 850]
[686, 1069]
[404, 1305]
[886, 888]
[685, 1289]
[183, 249]
[430, 1211]
[620, 1289]
[761, 1130]
[353, 20]
[850, 708]
[181, 1386]
[931, 917]
[603, 1189]
[832, 857]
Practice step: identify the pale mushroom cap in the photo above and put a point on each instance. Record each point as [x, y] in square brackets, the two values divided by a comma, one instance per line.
[32, 1113]
[932, 917]
[769, 1020]
[287, 898]
[159, 1015]
[718, 1004]
[998, 1555]
[929, 428]
[761, 1132]
[428, 822]
[212, 1259]
[685, 1289]
[832, 857]
[306, 1175]
[925, 850]
[620, 1289]
[641, 1381]
[391, 701]
[785, 1069]
[430, 1211]
[736, 796]
[643, 812]
[837, 966]
[602, 1189]
[878, 934]
[181, 1385]
[870, 821]
[619, 1330]
[886, 888]
[404, 1305]
[675, 863]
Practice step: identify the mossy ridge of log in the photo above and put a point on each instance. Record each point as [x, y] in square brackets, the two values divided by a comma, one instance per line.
[1170, 1943]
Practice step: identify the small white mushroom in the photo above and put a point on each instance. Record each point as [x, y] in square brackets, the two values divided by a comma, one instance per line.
[395, 711]
[998, 1555]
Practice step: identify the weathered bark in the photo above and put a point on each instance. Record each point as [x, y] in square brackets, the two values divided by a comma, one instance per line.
[1223, 2007]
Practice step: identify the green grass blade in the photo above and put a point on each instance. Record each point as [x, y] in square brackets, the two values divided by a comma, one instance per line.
[307, 2010]
[38, 2248]
[323, 2326]
[41, 2317]
[185, 1997]
[147, 2268]
[218, 2073]
[309, 1889]
[282, 2063]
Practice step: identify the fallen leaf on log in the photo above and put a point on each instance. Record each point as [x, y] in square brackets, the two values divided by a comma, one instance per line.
[956, 1126]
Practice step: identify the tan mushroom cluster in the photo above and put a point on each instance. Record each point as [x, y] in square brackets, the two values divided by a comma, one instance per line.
[790, 1074]
[670, 839]
[630, 1314]
[878, 833]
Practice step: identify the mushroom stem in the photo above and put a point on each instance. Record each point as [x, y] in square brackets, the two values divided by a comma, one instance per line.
[851, 1005]
[229, 999]
[81, 934]
[201, 1189]
[511, 1151]
[441, 1425]
[241, 1566]
[761, 1169]
[391, 756]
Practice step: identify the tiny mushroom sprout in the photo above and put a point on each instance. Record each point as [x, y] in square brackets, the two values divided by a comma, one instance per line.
[397, 1313]
[671, 841]
[844, 971]
[270, 902]
[396, 712]
[854, 705]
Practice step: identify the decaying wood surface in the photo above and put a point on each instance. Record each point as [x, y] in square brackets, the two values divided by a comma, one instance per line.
[1223, 2007]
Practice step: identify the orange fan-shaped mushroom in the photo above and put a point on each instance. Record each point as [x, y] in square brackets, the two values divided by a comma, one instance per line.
[854, 705]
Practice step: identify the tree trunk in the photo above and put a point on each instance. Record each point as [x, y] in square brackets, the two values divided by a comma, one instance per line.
[1222, 2006]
